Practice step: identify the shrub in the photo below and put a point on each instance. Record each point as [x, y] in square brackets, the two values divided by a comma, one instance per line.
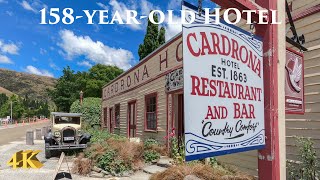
[116, 154]
[154, 145]
[308, 167]
[81, 165]
[150, 155]
[199, 170]
[177, 151]
[90, 109]
[149, 143]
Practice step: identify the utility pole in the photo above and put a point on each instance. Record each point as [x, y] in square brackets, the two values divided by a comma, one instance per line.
[11, 111]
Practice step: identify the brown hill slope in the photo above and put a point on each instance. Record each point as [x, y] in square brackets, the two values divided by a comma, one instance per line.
[5, 91]
[26, 84]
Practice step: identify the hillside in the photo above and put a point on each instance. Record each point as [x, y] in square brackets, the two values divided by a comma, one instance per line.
[5, 91]
[26, 84]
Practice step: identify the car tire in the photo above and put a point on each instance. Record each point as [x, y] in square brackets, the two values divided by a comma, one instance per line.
[88, 144]
[47, 152]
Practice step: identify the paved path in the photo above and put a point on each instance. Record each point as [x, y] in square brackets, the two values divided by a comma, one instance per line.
[13, 133]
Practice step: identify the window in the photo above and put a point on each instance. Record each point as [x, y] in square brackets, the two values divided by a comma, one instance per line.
[117, 116]
[151, 112]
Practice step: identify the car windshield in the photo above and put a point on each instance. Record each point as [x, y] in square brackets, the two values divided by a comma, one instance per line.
[66, 120]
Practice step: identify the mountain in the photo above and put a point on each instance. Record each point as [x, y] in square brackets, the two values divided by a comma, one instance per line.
[24, 84]
[5, 91]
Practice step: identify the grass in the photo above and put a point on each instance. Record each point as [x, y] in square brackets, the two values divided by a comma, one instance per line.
[113, 153]
[200, 170]
[81, 165]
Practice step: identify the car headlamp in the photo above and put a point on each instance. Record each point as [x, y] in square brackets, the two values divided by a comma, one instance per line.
[57, 134]
[79, 132]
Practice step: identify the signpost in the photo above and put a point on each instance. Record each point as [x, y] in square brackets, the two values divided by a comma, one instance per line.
[294, 84]
[223, 89]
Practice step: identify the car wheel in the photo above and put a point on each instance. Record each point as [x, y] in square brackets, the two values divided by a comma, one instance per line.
[88, 144]
[47, 152]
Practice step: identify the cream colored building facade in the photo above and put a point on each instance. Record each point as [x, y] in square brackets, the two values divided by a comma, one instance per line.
[138, 104]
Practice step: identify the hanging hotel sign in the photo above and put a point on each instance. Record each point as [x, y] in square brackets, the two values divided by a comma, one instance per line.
[223, 89]
[294, 84]
[174, 80]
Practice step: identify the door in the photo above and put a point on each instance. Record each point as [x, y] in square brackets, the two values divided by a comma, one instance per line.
[111, 120]
[105, 117]
[132, 119]
[180, 118]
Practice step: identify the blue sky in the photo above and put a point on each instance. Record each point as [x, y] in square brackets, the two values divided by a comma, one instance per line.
[28, 46]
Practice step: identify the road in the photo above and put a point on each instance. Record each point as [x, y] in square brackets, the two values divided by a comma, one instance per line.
[12, 133]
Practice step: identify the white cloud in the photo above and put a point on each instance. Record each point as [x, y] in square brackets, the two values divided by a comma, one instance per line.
[34, 6]
[147, 6]
[174, 4]
[173, 29]
[5, 60]
[96, 27]
[9, 13]
[43, 51]
[85, 64]
[9, 48]
[54, 66]
[143, 7]
[102, 6]
[27, 6]
[95, 51]
[36, 71]
[122, 9]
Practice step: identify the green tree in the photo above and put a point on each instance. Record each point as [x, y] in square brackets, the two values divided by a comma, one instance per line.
[66, 90]
[162, 36]
[90, 109]
[153, 39]
[18, 108]
[70, 84]
[97, 77]
[3, 99]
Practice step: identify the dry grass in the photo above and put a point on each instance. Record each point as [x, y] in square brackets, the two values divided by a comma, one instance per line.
[81, 165]
[129, 152]
[200, 170]
[162, 150]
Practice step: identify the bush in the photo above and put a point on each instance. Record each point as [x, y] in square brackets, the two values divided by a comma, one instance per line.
[149, 143]
[115, 154]
[308, 167]
[199, 170]
[90, 109]
[177, 151]
[112, 163]
[154, 145]
[150, 156]
[81, 165]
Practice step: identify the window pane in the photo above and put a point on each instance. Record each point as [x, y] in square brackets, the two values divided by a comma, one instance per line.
[151, 105]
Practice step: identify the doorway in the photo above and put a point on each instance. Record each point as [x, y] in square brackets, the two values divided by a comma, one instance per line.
[180, 116]
[111, 119]
[105, 117]
[132, 119]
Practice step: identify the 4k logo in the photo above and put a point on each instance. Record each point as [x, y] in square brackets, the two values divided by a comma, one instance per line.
[25, 159]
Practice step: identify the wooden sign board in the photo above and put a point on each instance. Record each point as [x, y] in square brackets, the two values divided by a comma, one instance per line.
[223, 89]
[294, 83]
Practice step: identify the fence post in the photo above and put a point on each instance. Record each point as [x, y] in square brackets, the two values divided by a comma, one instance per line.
[29, 137]
[38, 134]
